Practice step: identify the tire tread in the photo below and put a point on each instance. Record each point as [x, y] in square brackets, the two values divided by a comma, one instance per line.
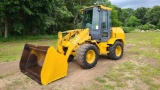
[80, 56]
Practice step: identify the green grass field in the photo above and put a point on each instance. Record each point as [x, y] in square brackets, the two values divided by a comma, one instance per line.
[139, 69]
[11, 49]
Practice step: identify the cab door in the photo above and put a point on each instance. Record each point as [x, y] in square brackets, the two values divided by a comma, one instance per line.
[105, 25]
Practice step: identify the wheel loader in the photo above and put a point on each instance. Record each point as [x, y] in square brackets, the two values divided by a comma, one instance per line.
[45, 64]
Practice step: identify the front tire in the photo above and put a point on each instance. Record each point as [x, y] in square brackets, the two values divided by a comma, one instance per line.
[70, 58]
[87, 56]
[116, 51]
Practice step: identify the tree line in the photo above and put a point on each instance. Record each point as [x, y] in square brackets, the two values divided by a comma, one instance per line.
[38, 17]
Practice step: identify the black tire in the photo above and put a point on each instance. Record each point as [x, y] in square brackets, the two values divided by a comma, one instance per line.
[81, 56]
[112, 51]
[70, 59]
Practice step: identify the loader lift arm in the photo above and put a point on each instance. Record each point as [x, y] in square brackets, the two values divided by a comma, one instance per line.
[72, 39]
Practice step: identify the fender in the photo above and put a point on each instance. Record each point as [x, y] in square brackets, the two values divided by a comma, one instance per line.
[112, 40]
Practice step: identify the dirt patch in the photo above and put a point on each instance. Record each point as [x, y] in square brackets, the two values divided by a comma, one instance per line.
[76, 79]
[9, 67]
[136, 83]
[152, 62]
[2, 84]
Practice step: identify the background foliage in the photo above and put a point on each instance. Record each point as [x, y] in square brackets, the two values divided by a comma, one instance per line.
[39, 17]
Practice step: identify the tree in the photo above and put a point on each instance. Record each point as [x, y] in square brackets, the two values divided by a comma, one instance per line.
[121, 17]
[103, 2]
[114, 17]
[153, 15]
[124, 14]
[133, 21]
[30, 17]
[140, 14]
[8, 11]
[158, 25]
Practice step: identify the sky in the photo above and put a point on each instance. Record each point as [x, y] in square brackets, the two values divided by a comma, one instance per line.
[135, 3]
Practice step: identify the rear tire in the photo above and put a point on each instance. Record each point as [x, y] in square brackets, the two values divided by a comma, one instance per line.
[116, 51]
[87, 56]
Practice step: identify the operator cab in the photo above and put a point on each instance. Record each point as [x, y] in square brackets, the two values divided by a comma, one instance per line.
[97, 19]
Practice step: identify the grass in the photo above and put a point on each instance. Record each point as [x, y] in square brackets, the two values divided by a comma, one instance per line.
[25, 38]
[17, 83]
[109, 87]
[11, 50]
[101, 80]
[1, 76]
[139, 70]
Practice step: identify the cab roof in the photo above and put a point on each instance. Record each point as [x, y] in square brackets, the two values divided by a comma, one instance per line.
[100, 6]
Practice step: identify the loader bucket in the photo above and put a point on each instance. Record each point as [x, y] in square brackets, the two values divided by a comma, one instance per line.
[43, 63]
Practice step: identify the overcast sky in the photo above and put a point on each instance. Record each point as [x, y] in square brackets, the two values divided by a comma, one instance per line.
[135, 3]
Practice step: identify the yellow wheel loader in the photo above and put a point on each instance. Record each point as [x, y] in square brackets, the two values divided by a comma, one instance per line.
[46, 64]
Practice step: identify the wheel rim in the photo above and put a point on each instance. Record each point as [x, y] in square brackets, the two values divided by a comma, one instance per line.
[118, 51]
[90, 56]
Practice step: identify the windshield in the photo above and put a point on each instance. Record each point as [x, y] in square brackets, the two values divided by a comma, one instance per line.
[91, 19]
[87, 21]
